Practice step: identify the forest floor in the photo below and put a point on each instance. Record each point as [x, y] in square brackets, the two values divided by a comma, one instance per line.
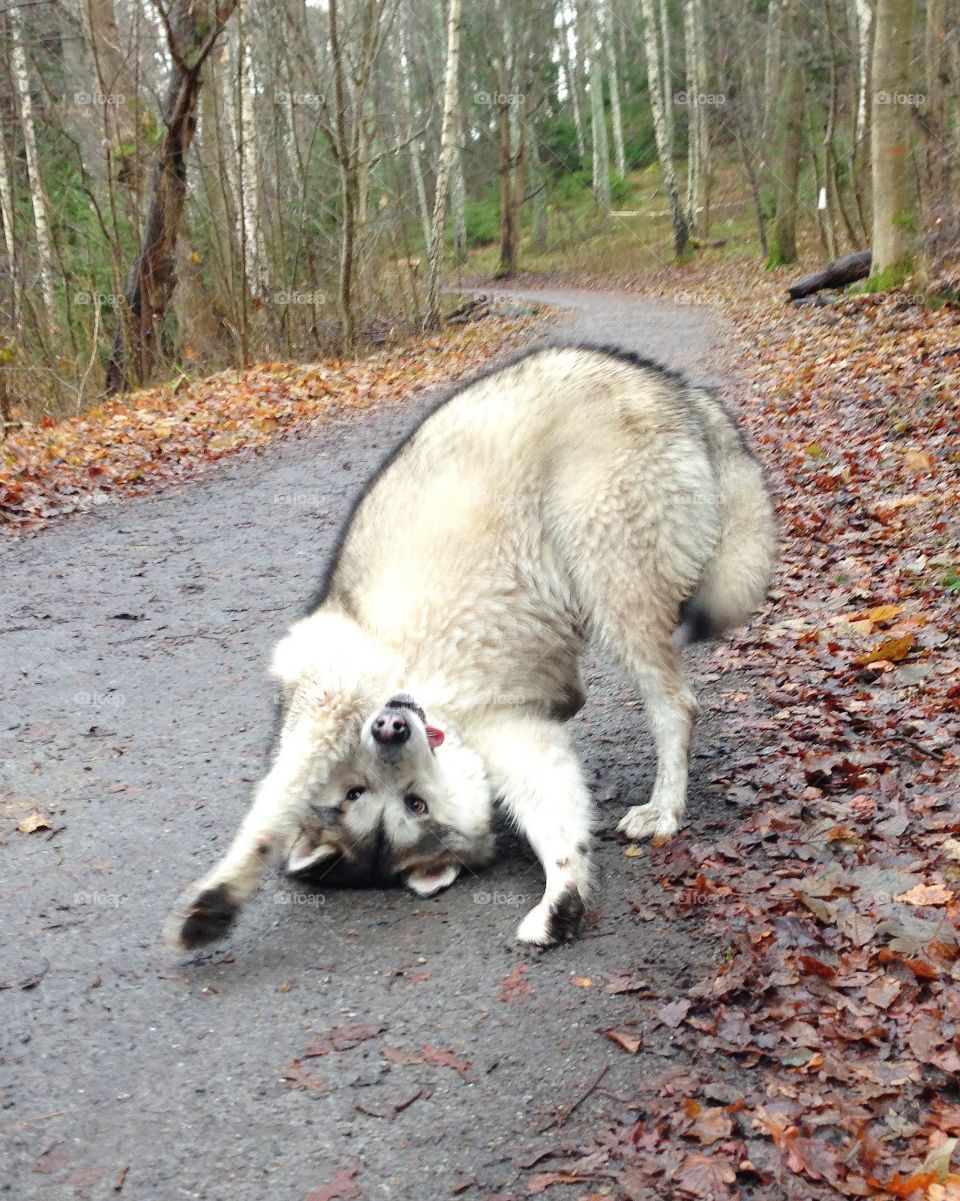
[766, 1007]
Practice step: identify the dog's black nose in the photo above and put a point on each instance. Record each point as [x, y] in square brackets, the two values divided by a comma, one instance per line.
[391, 728]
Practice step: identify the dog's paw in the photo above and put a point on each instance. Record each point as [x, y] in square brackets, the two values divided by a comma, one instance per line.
[648, 821]
[554, 921]
[204, 917]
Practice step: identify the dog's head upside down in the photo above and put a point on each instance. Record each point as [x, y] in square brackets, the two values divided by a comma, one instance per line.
[393, 810]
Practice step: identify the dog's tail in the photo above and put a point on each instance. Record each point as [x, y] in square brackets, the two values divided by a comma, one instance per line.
[735, 579]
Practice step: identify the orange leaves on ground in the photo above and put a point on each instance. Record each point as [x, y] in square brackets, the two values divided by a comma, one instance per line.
[829, 885]
[131, 443]
[705, 1176]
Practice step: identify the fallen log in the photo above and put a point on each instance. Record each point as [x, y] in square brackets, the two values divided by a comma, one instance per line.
[837, 274]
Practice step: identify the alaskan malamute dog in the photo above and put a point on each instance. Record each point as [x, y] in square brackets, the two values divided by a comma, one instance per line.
[577, 494]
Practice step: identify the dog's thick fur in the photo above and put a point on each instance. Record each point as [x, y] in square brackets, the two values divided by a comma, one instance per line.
[576, 494]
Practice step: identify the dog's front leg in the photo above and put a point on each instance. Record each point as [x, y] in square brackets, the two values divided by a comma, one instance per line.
[209, 908]
[537, 773]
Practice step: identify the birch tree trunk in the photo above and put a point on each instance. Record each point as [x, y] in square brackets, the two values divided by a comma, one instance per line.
[250, 232]
[9, 233]
[663, 14]
[447, 133]
[616, 118]
[698, 154]
[37, 199]
[894, 209]
[598, 123]
[864, 18]
[569, 60]
[458, 198]
[664, 146]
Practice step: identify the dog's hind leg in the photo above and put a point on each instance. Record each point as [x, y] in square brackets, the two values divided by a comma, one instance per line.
[534, 769]
[671, 712]
[210, 907]
[633, 612]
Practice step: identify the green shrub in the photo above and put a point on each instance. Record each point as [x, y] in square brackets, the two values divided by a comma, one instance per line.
[620, 191]
[483, 222]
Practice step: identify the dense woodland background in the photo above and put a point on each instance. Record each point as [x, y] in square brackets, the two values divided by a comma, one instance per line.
[187, 185]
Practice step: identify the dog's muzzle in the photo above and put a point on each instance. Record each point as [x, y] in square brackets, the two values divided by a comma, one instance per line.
[390, 728]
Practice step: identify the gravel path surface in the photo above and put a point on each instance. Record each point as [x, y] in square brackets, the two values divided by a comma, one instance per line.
[136, 708]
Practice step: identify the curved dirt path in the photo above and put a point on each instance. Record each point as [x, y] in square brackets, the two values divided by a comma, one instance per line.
[136, 707]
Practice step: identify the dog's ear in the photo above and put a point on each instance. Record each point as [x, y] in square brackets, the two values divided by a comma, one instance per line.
[304, 854]
[425, 881]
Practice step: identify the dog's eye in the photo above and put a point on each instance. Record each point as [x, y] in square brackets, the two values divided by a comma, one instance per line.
[416, 804]
[354, 794]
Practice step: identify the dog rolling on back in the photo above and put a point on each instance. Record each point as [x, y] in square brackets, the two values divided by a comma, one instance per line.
[575, 495]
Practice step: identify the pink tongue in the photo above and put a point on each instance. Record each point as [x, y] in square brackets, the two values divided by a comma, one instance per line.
[434, 736]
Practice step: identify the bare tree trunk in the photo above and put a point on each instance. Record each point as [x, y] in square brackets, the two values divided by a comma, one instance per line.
[568, 29]
[458, 198]
[789, 142]
[432, 317]
[771, 67]
[249, 200]
[191, 35]
[598, 123]
[894, 209]
[663, 13]
[698, 163]
[346, 161]
[664, 146]
[538, 185]
[38, 201]
[9, 233]
[616, 118]
[508, 233]
[864, 18]
[863, 12]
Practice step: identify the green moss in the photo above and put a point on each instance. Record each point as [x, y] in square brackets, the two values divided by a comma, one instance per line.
[888, 279]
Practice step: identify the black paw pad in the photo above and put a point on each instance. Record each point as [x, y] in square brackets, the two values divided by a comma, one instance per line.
[208, 917]
[566, 915]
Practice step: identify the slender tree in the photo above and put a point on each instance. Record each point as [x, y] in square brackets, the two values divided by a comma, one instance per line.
[38, 200]
[432, 317]
[192, 32]
[655, 76]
